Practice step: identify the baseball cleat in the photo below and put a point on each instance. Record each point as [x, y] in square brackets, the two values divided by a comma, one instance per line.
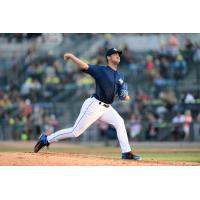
[42, 142]
[130, 156]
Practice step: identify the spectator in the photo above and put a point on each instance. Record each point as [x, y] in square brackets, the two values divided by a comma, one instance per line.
[135, 126]
[86, 82]
[173, 44]
[173, 40]
[169, 98]
[37, 119]
[178, 121]
[51, 123]
[152, 128]
[26, 107]
[143, 97]
[127, 57]
[5, 102]
[196, 56]
[165, 68]
[26, 87]
[179, 66]
[161, 110]
[189, 51]
[19, 126]
[187, 122]
[107, 43]
[189, 99]
[150, 65]
[162, 51]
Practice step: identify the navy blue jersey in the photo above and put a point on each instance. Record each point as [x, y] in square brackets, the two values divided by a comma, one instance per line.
[107, 82]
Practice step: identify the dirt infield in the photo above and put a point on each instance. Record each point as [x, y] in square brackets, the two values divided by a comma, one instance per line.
[70, 159]
[70, 154]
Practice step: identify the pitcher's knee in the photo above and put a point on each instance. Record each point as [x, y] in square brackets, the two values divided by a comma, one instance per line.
[76, 135]
[78, 132]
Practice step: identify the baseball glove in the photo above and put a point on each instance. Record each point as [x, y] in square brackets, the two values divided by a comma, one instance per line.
[123, 91]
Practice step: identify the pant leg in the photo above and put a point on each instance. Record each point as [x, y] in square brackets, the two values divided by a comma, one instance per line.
[112, 117]
[89, 113]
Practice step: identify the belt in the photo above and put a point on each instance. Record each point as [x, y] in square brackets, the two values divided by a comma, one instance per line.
[101, 103]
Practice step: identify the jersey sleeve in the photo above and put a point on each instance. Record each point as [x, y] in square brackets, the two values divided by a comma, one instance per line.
[122, 91]
[122, 87]
[92, 70]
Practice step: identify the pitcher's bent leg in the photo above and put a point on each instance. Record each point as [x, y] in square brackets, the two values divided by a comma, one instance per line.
[112, 117]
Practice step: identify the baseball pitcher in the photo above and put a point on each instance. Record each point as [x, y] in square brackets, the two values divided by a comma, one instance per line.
[109, 83]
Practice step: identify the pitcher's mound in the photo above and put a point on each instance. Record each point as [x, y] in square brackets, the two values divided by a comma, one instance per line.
[69, 159]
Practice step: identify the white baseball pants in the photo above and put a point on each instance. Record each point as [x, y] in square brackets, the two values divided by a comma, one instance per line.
[91, 111]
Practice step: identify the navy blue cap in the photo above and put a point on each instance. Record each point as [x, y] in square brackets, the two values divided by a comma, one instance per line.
[113, 51]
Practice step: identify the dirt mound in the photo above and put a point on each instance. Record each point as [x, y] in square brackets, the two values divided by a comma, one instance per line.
[70, 159]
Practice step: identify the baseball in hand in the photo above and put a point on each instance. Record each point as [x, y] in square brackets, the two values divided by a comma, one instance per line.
[127, 98]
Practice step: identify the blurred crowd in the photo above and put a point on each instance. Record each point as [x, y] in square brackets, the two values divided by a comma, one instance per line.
[29, 85]
[24, 120]
[161, 108]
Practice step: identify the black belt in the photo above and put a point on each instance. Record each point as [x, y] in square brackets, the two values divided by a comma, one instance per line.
[101, 103]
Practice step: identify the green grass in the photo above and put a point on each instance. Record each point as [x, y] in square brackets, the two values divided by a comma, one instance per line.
[186, 157]
[15, 149]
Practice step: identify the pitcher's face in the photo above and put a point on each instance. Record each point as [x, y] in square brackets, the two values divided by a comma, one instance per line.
[114, 58]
